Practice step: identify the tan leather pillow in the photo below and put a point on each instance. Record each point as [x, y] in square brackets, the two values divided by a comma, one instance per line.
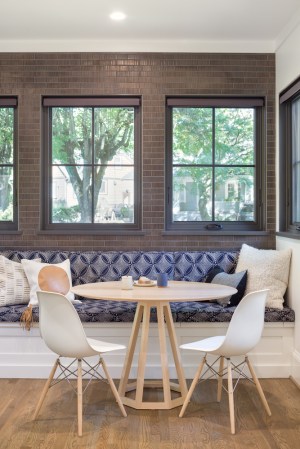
[50, 277]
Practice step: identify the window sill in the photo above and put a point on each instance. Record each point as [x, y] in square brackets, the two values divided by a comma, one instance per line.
[7, 232]
[216, 233]
[289, 235]
[90, 232]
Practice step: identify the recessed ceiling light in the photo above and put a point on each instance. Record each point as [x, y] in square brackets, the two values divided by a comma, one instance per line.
[117, 15]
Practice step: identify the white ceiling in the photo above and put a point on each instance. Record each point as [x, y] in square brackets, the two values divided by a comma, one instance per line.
[151, 25]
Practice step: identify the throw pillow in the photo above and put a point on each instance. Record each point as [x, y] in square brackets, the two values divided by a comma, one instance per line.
[236, 280]
[266, 268]
[14, 287]
[48, 277]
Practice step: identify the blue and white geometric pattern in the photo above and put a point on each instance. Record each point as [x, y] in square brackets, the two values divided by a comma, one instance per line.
[113, 311]
[195, 265]
[46, 256]
[97, 266]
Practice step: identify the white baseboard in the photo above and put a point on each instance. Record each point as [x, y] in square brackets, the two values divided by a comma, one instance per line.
[24, 355]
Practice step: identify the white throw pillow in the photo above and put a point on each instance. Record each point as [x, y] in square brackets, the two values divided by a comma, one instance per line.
[14, 286]
[266, 268]
[48, 277]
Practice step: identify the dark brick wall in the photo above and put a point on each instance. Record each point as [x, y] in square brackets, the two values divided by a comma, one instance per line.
[31, 75]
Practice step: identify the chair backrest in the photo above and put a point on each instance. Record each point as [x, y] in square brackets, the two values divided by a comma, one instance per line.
[60, 326]
[246, 326]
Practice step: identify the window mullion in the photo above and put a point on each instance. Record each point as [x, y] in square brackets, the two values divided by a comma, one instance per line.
[93, 166]
[213, 161]
[50, 172]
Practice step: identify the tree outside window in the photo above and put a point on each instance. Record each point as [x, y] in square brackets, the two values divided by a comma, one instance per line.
[213, 158]
[93, 163]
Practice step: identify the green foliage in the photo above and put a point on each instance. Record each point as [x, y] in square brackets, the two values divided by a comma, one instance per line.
[127, 213]
[66, 214]
[6, 157]
[6, 135]
[7, 214]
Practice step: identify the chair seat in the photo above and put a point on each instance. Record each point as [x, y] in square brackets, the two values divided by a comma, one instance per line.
[205, 345]
[104, 346]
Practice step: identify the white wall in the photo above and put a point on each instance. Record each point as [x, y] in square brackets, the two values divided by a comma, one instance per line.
[287, 70]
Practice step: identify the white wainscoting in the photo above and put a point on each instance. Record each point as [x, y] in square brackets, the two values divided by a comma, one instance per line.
[23, 354]
[296, 368]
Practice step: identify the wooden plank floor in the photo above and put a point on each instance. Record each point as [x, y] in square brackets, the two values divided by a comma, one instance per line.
[205, 425]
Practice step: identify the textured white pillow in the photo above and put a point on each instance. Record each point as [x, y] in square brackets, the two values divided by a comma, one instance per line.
[48, 277]
[14, 286]
[266, 268]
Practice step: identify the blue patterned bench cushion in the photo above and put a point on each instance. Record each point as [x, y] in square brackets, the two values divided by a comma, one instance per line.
[46, 256]
[97, 266]
[195, 265]
[112, 311]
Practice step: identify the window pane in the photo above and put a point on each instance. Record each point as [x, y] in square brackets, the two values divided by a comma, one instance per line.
[192, 194]
[71, 201]
[234, 194]
[296, 160]
[234, 136]
[6, 193]
[192, 135]
[71, 135]
[115, 198]
[114, 133]
[6, 135]
[215, 151]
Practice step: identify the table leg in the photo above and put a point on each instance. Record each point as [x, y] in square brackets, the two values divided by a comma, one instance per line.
[163, 354]
[130, 350]
[175, 350]
[142, 356]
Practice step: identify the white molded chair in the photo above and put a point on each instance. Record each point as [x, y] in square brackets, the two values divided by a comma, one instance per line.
[63, 333]
[243, 334]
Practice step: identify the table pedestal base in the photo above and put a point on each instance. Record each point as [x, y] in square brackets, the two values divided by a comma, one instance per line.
[142, 318]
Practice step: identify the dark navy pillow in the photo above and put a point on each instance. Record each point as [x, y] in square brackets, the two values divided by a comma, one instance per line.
[236, 280]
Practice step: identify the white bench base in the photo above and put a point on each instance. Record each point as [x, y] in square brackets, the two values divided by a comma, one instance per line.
[23, 354]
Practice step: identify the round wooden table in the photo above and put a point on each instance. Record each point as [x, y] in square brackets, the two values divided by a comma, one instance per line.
[159, 298]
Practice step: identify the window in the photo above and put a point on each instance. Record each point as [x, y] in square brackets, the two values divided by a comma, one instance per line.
[290, 159]
[214, 164]
[91, 163]
[8, 159]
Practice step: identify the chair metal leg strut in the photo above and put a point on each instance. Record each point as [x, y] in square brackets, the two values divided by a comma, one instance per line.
[80, 372]
[231, 384]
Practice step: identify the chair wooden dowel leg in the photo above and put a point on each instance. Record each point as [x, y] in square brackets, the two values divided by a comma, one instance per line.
[220, 379]
[258, 387]
[79, 397]
[230, 397]
[45, 389]
[113, 388]
[192, 387]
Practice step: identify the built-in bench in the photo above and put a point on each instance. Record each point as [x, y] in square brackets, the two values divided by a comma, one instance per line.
[98, 266]
[110, 319]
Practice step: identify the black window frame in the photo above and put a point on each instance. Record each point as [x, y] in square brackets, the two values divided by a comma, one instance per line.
[260, 153]
[286, 194]
[12, 102]
[46, 187]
